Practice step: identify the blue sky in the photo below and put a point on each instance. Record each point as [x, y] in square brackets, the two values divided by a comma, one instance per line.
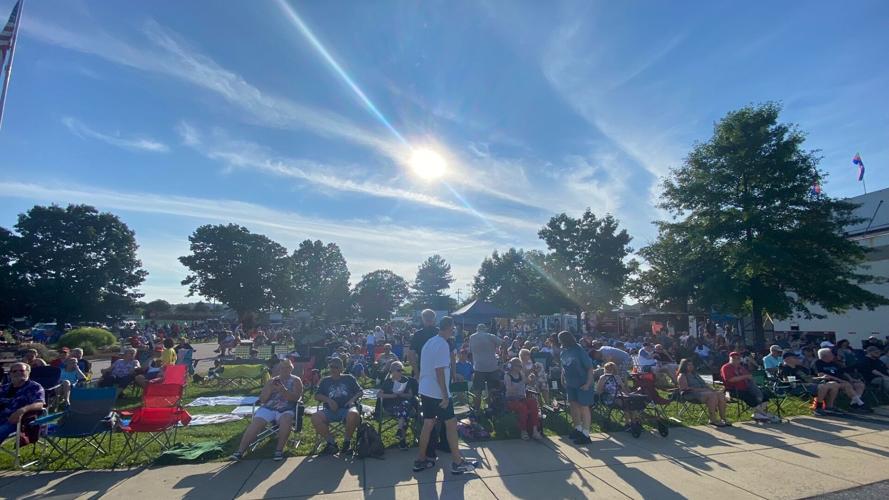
[176, 114]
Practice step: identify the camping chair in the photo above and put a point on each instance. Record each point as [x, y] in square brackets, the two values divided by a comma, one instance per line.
[462, 399]
[242, 376]
[50, 378]
[687, 410]
[26, 433]
[174, 374]
[85, 424]
[161, 395]
[147, 426]
[386, 420]
[271, 429]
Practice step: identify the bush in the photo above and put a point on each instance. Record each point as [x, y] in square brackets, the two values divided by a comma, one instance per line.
[87, 338]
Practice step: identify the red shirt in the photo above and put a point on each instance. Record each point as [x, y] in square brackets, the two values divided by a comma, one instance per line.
[728, 372]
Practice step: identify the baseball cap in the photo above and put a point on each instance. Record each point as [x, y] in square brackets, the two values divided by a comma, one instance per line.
[734, 354]
[789, 354]
[827, 343]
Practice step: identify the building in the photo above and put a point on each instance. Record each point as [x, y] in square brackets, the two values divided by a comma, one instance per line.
[857, 325]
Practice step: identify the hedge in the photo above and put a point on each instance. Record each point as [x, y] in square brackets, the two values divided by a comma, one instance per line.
[87, 338]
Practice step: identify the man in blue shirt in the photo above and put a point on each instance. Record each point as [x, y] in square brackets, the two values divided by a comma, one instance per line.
[577, 377]
[774, 359]
[18, 397]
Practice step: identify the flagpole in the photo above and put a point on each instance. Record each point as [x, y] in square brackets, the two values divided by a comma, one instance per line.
[15, 36]
[864, 185]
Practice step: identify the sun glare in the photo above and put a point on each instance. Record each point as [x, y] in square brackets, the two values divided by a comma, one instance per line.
[427, 164]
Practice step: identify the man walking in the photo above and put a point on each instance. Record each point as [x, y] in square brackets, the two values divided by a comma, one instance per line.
[435, 399]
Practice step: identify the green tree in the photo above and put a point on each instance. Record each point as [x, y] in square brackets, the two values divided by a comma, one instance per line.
[433, 278]
[320, 277]
[379, 293]
[200, 307]
[156, 307]
[588, 263]
[13, 287]
[74, 263]
[780, 248]
[516, 281]
[246, 271]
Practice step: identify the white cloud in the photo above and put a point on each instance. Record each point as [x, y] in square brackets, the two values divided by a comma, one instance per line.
[81, 130]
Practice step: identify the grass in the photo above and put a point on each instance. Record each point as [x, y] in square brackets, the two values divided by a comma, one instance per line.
[229, 434]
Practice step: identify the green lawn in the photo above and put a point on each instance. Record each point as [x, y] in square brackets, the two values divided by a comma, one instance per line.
[229, 434]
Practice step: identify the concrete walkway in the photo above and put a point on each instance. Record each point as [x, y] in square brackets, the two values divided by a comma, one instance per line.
[801, 458]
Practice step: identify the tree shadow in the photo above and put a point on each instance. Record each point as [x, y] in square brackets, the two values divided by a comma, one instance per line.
[69, 485]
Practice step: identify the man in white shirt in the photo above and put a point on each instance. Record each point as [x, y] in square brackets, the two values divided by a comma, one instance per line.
[435, 398]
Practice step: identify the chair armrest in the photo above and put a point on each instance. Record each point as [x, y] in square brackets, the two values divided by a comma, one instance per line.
[48, 418]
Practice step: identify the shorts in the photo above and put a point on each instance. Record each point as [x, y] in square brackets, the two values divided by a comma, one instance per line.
[491, 379]
[335, 416]
[272, 416]
[751, 397]
[432, 409]
[579, 396]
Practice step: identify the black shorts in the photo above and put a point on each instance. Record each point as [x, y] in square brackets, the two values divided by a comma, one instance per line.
[491, 379]
[432, 408]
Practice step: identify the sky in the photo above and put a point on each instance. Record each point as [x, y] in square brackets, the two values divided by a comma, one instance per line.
[299, 120]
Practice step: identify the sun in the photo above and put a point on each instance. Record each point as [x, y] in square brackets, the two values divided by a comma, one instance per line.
[427, 164]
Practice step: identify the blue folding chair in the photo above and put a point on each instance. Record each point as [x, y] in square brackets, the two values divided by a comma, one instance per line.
[50, 378]
[86, 424]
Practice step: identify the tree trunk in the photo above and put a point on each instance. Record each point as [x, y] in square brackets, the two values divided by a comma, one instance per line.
[759, 336]
[579, 324]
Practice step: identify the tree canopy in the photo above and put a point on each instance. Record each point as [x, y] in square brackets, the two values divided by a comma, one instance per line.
[321, 280]
[70, 264]
[743, 200]
[433, 278]
[379, 293]
[246, 271]
[516, 281]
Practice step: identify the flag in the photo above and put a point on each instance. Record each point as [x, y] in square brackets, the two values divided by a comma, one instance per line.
[856, 160]
[7, 50]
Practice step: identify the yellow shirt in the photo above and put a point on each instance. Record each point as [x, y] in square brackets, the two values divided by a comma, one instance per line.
[168, 357]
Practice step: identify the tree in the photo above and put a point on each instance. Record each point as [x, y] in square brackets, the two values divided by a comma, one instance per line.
[183, 308]
[156, 307]
[433, 278]
[779, 247]
[73, 263]
[246, 271]
[320, 277]
[200, 307]
[516, 282]
[588, 260]
[13, 287]
[379, 293]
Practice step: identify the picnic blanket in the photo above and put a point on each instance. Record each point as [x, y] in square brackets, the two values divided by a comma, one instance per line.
[224, 401]
[245, 411]
[214, 418]
[190, 453]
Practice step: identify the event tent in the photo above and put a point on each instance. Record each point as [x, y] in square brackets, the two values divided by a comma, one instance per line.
[477, 312]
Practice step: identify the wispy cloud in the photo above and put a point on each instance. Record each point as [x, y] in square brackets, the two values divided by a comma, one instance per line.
[245, 154]
[135, 143]
[170, 55]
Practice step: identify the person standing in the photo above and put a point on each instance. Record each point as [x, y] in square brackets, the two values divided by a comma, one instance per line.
[577, 378]
[419, 339]
[435, 399]
[486, 372]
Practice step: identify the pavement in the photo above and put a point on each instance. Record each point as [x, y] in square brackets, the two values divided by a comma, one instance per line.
[805, 457]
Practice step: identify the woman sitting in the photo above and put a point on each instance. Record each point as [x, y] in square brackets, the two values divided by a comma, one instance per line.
[399, 393]
[70, 377]
[279, 398]
[610, 388]
[693, 388]
[517, 400]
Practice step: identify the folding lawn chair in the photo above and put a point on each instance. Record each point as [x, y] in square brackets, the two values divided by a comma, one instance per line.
[386, 420]
[26, 433]
[144, 427]
[271, 429]
[50, 378]
[161, 395]
[687, 410]
[85, 424]
[242, 376]
[175, 375]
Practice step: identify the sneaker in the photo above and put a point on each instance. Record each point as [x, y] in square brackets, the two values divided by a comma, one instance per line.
[574, 434]
[525, 436]
[279, 455]
[537, 435]
[329, 449]
[347, 445]
[760, 416]
[819, 411]
[236, 456]
[583, 439]
[421, 465]
[465, 465]
[402, 444]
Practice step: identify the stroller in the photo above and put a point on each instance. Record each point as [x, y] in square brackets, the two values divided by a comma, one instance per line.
[644, 403]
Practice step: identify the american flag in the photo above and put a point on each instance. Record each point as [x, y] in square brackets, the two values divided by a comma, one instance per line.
[8, 34]
[7, 50]
[856, 160]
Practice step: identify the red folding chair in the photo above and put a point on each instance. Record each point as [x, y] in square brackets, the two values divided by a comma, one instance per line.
[146, 427]
[173, 374]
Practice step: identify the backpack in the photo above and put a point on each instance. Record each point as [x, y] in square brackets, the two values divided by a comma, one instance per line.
[368, 443]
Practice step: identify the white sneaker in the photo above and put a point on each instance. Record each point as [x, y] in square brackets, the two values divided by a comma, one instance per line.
[525, 436]
[537, 435]
[760, 416]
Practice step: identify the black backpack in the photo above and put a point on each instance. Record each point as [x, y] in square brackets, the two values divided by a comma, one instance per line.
[369, 443]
